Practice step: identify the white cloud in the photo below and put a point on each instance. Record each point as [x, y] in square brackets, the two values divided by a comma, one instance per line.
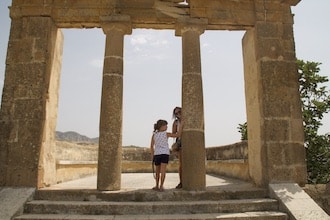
[137, 49]
[205, 45]
[152, 39]
[140, 39]
[151, 45]
[98, 63]
[159, 43]
[207, 48]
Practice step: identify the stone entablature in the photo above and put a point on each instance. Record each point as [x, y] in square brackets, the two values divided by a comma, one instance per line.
[157, 14]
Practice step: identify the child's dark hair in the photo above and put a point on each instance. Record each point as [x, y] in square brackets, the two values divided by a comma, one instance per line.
[159, 124]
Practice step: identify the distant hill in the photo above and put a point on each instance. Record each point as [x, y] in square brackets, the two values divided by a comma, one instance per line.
[72, 136]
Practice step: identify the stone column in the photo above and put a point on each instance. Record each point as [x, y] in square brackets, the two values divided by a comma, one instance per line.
[29, 102]
[193, 140]
[275, 128]
[110, 149]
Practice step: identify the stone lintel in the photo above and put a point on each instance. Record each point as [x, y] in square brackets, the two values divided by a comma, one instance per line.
[116, 22]
[190, 24]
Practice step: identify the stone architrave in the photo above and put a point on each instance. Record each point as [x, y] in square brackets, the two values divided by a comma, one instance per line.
[193, 140]
[110, 142]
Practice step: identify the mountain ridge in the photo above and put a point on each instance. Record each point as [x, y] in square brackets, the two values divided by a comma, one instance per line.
[72, 136]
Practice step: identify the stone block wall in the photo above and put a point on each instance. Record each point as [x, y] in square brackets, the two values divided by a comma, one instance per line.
[75, 151]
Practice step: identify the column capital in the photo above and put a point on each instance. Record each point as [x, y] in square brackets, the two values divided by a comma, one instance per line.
[190, 24]
[120, 23]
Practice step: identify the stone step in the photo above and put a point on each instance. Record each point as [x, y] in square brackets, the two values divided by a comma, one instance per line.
[142, 195]
[149, 208]
[262, 215]
[222, 199]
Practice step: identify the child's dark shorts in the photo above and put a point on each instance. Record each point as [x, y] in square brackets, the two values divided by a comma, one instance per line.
[162, 158]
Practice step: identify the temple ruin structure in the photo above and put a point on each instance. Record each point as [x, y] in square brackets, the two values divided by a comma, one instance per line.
[31, 88]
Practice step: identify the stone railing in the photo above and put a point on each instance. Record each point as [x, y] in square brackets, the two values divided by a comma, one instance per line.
[228, 152]
[76, 160]
[229, 160]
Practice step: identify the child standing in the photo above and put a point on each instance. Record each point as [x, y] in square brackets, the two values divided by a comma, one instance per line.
[160, 151]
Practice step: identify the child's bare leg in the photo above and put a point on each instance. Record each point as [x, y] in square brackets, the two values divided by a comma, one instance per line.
[162, 175]
[158, 170]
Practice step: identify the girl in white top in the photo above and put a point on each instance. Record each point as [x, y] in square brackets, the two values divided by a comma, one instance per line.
[160, 151]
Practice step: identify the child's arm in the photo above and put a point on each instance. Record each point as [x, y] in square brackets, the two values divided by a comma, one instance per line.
[178, 134]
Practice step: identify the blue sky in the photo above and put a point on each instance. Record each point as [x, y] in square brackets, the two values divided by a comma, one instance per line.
[152, 75]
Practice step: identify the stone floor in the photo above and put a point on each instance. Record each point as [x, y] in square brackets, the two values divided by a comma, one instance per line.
[132, 181]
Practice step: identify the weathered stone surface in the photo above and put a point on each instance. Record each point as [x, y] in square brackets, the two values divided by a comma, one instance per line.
[12, 201]
[158, 14]
[228, 152]
[296, 202]
[30, 95]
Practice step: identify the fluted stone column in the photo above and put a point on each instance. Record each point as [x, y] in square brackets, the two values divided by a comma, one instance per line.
[110, 149]
[193, 140]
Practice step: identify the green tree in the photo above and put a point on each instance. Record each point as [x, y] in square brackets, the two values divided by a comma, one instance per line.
[315, 99]
[242, 128]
